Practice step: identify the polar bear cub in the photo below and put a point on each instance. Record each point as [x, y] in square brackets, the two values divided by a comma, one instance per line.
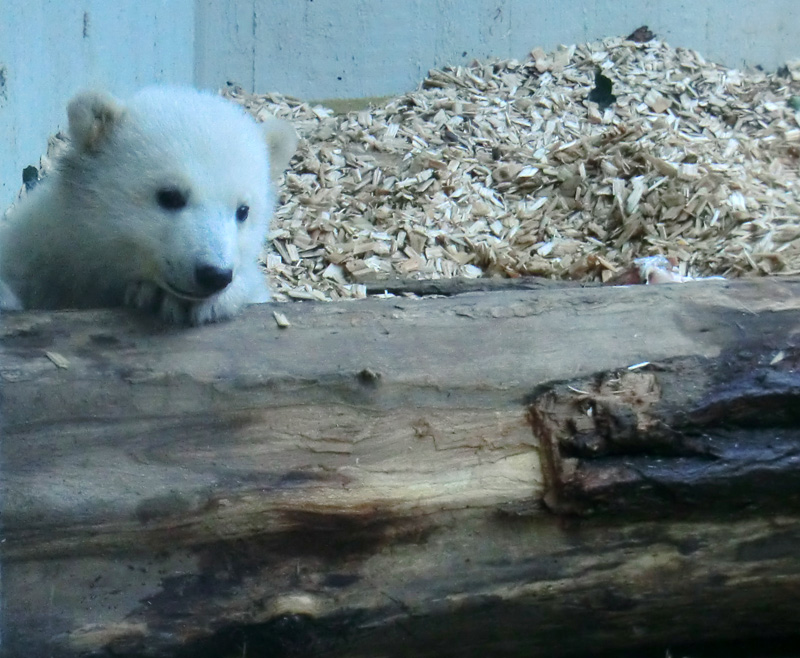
[162, 203]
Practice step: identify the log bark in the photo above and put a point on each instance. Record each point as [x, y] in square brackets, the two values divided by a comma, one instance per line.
[515, 473]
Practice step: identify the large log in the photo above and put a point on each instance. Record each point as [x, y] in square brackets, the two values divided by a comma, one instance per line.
[479, 475]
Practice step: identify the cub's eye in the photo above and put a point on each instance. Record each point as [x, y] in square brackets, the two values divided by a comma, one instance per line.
[171, 198]
[242, 212]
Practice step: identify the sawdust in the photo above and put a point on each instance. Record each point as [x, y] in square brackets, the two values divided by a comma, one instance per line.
[505, 168]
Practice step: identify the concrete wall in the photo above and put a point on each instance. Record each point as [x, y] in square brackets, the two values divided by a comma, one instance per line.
[323, 48]
[356, 48]
[49, 49]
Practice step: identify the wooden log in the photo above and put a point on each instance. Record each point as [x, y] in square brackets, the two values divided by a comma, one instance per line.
[487, 474]
[458, 286]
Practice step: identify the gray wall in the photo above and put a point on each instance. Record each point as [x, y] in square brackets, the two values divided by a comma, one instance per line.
[322, 48]
[49, 49]
[355, 48]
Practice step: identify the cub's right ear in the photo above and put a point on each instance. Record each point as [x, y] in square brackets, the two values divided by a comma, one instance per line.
[92, 116]
[281, 143]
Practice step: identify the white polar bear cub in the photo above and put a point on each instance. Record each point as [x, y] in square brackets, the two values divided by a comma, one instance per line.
[162, 203]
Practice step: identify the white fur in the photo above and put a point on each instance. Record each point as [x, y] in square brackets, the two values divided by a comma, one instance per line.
[94, 235]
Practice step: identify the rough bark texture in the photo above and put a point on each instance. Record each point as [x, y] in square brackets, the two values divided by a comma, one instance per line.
[471, 476]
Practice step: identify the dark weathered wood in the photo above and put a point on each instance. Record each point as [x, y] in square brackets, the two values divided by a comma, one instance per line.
[721, 434]
[471, 476]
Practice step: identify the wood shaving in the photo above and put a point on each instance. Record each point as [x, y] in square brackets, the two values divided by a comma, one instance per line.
[281, 320]
[504, 168]
[58, 360]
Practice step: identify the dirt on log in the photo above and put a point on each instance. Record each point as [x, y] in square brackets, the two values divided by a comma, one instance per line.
[510, 473]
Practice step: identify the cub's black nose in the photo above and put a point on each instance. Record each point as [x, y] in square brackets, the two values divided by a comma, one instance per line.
[211, 278]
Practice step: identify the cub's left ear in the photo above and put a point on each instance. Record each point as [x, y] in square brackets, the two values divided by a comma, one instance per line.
[281, 143]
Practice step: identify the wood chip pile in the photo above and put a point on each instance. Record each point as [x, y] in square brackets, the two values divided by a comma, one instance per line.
[505, 168]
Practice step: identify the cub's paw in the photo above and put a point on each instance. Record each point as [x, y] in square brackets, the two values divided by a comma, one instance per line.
[212, 310]
[224, 305]
[173, 310]
[150, 298]
[8, 300]
[144, 295]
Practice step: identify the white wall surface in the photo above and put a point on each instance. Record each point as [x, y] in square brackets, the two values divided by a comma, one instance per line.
[323, 48]
[50, 49]
[355, 48]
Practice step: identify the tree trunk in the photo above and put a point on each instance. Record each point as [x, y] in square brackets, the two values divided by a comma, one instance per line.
[513, 473]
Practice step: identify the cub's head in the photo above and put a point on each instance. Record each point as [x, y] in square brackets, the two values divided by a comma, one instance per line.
[178, 184]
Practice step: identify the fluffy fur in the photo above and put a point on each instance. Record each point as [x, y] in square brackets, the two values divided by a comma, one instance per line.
[162, 203]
